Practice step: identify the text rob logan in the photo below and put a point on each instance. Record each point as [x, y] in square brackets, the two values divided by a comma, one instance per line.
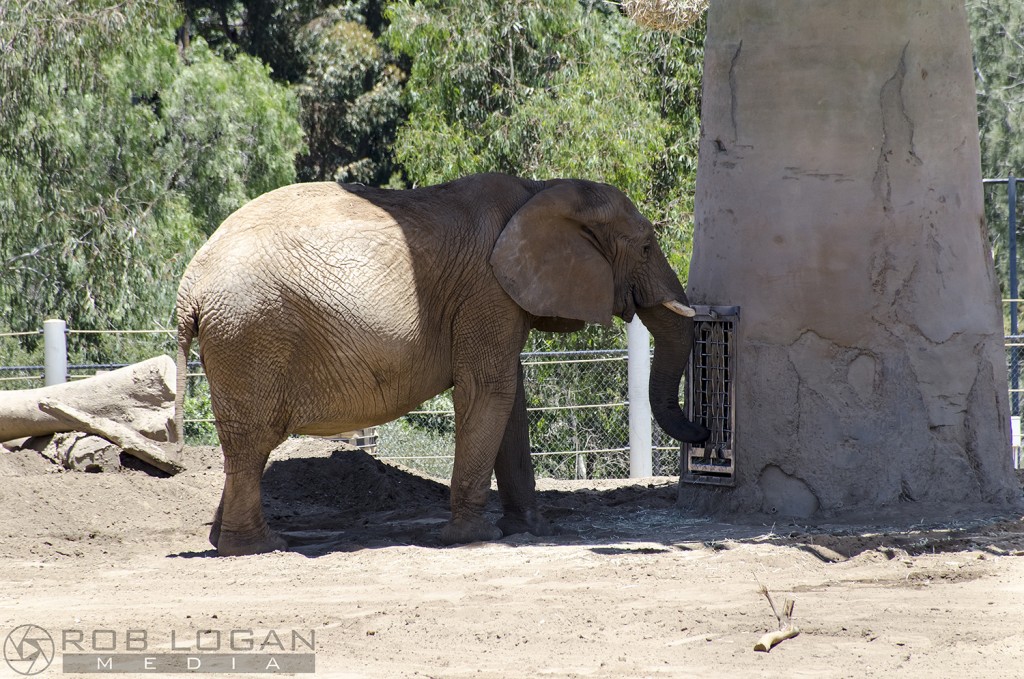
[206, 640]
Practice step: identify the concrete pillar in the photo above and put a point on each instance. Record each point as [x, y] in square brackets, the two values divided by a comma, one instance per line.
[839, 203]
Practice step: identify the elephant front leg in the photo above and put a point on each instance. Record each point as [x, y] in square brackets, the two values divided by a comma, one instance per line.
[514, 471]
[481, 413]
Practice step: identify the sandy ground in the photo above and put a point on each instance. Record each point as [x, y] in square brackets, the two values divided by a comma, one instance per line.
[630, 588]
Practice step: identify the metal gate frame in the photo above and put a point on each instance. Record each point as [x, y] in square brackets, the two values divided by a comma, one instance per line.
[711, 397]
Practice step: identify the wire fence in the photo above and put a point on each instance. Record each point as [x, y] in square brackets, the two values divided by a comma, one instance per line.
[578, 408]
[1014, 361]
[578, 413]
[21, 353]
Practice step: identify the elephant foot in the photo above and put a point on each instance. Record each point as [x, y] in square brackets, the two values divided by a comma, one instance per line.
[531, 521]
[230, 543]
[462, 531]
[215, 533]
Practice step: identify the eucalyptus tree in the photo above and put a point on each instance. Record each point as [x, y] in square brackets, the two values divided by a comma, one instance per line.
[119, 150]
[348, 83]
[559, 88]
[997, 31]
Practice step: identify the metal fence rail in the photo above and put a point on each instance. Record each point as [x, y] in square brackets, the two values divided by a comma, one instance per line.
[578, 413]
[578, 410]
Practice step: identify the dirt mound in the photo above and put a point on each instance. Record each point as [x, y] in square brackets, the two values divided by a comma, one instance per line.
[324, 495]
[327, 496]
[339, 479]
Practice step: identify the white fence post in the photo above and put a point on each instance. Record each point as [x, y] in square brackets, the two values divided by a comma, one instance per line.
[639, 369]
[55, 351]
[1015, 442]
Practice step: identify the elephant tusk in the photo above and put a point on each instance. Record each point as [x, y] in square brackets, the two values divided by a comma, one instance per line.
[680, 308]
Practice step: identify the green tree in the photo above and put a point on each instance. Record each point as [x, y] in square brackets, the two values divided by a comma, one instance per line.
[348, 84]
[351, 100]
[265, 29]
[232, 133]
[119, 151]
[671, 68]
[560, 88]
[997, 33]
[525, 88]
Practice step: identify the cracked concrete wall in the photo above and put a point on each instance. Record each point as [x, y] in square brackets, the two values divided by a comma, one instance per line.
[839, 203]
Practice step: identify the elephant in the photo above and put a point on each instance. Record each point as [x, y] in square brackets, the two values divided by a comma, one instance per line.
[325, 307]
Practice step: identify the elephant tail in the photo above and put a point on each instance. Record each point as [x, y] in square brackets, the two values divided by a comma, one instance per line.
[188, 328]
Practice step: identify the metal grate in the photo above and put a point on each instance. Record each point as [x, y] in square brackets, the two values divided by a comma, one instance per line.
[710, 396]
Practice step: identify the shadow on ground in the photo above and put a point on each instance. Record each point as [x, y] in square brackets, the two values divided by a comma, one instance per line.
[348, 500]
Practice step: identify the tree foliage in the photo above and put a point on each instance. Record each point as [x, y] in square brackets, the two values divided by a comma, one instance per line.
[559, 88]
[118, 152]
[351, 100]
[264, 29]
[997, 31]
[348, 83]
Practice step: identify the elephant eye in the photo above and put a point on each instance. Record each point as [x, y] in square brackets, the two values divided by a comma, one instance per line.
[646, 250]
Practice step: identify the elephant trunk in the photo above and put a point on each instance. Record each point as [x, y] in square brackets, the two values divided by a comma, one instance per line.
[673, 340]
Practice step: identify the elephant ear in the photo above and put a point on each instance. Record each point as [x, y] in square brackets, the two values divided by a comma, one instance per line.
[548, 261]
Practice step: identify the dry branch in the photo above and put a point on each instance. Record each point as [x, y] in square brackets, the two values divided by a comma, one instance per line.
[132, 407]
[787, 630]
[768, 640]
[118, 434]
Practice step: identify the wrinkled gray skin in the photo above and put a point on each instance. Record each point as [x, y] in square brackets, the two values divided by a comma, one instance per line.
[322, 308]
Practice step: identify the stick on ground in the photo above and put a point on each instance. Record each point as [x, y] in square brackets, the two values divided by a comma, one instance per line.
[787, 630]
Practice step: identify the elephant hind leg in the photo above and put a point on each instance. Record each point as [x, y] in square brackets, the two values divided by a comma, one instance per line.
[239, 527]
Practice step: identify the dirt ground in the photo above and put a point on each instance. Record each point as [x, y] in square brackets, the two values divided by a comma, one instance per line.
[631, 587]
